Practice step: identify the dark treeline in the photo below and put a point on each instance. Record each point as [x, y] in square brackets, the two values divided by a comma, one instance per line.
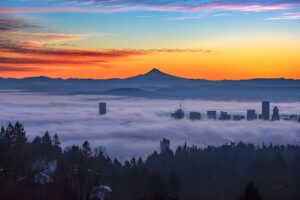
[229, 172]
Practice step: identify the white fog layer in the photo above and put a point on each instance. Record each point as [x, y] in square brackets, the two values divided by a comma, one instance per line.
[134, 126]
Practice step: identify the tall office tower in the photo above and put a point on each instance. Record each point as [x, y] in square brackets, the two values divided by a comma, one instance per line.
[195, 116]
[212, 114]
[275, 115]
[164, 145]
[251, 115]
[178, 114]
[102, 108]
[238, 117]
[293, 117]
[224, 116]
[265, 115]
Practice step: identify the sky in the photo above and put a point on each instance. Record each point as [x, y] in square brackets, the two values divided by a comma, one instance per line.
[134, 126]
[207, 39]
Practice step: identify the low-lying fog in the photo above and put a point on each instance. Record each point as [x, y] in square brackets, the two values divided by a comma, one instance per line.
[134, 127]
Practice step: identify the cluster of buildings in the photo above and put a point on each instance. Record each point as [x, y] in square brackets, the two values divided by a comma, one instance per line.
[251, 115]
[225, 116]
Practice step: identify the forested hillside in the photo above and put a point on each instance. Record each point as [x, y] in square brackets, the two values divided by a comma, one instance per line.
[40, 169]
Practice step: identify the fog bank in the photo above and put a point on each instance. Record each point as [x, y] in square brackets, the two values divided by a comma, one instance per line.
[134, 126]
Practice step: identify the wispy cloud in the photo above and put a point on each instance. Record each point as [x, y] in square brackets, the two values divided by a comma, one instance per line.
[171, 5]
[16, 69]
[22, 42]
[9, 23]
[222, 14]
[286, 16]
[56, 9]
[44, 37]
[181, 18]
[14, 53]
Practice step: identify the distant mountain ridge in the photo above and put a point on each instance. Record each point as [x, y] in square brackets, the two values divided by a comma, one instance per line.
[157, 84]
[155, 74]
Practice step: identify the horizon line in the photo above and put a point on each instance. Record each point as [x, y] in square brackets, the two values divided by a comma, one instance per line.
[179, 77]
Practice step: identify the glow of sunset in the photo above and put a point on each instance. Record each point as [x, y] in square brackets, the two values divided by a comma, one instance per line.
[202, 41]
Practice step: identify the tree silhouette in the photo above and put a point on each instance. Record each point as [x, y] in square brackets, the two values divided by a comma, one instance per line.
[174, 185]
[189, 173]
[157, 187]
[251, 193]
[86, 149]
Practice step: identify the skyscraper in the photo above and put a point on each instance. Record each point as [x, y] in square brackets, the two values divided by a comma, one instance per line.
[275, 115]
[224, 116]
[178, 114]
[251, 115]
[265, 110]
[238, 117]
[212, 114]
[102, 108]
[164, 145]
[195, 116]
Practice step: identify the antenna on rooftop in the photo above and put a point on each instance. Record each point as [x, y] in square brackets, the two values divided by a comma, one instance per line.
[181, 103]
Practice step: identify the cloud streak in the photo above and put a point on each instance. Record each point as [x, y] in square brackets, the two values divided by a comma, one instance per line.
[287, 16]
[169, 5]
[133, 126]
[16, 69]
[23, 43]
[11, 23]
[13, 53]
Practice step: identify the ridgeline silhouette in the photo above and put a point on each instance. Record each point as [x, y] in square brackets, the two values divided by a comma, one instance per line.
[157, 84]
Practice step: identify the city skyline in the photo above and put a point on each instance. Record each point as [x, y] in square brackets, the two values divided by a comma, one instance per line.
[144, 121]
[266, 114]
[212, 40]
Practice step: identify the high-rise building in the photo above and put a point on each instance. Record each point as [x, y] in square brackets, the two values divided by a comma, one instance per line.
[275, 115]
[238, 117]
[293, 118]
[102, 108]
[212, 114]
[195, 116]
[251, 114]
[164, 145]
[224, 116]
[178, 114]
[265, 115]
[290, 117]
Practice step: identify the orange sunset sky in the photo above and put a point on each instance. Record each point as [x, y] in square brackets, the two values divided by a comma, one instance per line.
[216, 41]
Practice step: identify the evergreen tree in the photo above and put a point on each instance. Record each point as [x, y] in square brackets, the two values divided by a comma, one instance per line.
[47, 150]
[86, 149]
[56, 145]
[56, 141]
[157, 187]
[174, 185]
[251, 193]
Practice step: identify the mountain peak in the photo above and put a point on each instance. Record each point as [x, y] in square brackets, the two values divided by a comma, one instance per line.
[156, 73]
[154, 70]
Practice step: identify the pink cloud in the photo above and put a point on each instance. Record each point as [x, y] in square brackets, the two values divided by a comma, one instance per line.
[178, 8]
[228, 7]
[287, 16]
